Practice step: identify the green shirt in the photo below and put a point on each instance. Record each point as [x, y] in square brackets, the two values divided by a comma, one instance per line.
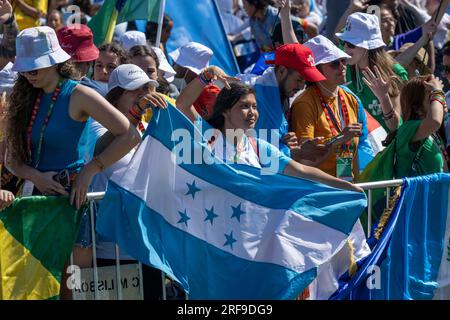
[427, 154]
[368, 99]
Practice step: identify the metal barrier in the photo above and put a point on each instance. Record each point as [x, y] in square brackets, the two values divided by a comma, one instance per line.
[92, 197]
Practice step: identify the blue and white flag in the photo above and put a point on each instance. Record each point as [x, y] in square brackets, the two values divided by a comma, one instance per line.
[411, 260]
[223, 231]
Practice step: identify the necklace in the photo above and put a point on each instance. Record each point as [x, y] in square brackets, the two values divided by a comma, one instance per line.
[34, 113]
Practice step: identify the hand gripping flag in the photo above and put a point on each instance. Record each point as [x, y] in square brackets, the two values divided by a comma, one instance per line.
[222, 231]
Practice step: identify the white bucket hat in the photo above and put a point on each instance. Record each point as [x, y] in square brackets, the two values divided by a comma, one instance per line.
[133, 38]
[362, 30]
[169, 72]
[38, 48]
[324, 50]
[129, 77]
[193, 56]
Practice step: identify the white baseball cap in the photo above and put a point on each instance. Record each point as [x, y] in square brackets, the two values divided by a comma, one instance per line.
[133, 38]
[129, 77]
[169, 72]
[362, 30]
[38, 48]
[193, 56]
[324, 50]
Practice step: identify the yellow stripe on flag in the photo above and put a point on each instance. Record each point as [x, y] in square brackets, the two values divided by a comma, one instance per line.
[22, 276]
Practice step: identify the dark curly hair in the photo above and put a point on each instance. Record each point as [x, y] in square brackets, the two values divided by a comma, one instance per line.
[19, 110]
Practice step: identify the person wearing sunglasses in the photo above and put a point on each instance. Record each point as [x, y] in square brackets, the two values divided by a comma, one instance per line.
[47, 115]
[329, 111]
[362, 40]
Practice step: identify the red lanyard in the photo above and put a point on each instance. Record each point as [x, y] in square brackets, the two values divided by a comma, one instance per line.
[141, 127]
[44, 126]
[329, 113]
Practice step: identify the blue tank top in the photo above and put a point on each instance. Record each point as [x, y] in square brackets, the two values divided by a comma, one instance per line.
[62, 135]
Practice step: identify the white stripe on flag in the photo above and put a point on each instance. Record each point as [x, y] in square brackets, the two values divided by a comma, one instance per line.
[281, 237]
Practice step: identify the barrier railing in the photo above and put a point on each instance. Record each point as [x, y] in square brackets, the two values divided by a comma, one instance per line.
[92, 197]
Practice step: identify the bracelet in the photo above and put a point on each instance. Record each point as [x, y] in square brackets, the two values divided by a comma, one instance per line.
[389, 115]
[440, 101]
[99, 164]
[202, 82]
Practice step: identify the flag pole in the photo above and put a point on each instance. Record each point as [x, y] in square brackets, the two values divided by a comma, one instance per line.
[160, 22]
[112, 25]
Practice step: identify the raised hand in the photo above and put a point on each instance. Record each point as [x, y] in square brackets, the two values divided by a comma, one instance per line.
[433, 83]
[5, 11]
[217, 74]
[376, 83]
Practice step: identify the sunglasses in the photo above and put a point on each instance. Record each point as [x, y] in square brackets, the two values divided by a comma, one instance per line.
[336, 63]
[348, 44]
[30, 73]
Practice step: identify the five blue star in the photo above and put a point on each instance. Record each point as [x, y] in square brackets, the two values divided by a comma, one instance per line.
[184, 217]
[230, 240]
[210, 215]
[237, 212]
[192, 189]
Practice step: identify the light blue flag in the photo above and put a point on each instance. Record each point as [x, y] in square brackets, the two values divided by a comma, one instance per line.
[199, 21]
[222, 231]
[411, 261]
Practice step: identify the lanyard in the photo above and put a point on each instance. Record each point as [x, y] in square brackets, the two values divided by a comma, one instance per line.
[335, 125]
[44, 126]
[329, 114]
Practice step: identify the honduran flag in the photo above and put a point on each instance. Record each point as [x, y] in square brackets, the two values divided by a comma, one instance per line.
[222, 231]
[411, 259]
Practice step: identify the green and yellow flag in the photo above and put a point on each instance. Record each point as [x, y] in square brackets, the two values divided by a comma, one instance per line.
[114, 12]
[36, 239]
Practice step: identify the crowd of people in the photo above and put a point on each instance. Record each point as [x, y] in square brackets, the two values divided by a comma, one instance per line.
[72, 113]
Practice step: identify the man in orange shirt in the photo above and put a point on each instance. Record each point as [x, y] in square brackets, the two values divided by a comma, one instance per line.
[326, 109]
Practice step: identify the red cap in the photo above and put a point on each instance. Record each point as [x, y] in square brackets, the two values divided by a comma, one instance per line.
[77, 40]
[298, 57]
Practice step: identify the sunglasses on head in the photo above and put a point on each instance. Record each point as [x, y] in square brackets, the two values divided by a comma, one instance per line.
[30, 73]
[348, 44]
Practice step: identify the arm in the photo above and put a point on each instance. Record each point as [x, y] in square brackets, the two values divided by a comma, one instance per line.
[29, 10]
[435, 112]
[298, 170]
[85, 103]
[406, 57]
[191, 93]
[286, 23]
[355, 6]
[380, 88]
